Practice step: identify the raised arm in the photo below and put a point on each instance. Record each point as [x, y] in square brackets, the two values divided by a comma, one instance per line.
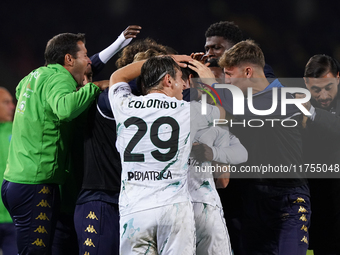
[133, 70]
[127, 73]
[123, 40]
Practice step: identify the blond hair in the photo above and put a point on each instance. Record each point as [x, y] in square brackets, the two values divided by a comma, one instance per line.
[243, 52]
[146, 55]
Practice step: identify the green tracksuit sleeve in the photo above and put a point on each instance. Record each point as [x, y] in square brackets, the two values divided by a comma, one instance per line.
[67, 103]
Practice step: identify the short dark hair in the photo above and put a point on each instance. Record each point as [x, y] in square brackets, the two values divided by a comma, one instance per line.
[226, 29]
[60, 45]
[154, 69]
[186, 73]
[319, 65]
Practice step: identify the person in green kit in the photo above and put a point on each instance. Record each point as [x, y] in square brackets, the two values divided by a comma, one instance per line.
[7, 230]
[38, 159]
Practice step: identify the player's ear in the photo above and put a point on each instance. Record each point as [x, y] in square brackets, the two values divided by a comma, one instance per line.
[248, 71]
[68, 60]
[167, 80]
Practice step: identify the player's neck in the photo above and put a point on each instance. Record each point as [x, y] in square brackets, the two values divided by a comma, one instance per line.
[161, 91]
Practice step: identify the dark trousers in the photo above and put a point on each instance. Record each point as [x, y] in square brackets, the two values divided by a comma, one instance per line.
[97, 227]
[34, 210]
[275, 223]
[65, 236]
[7, 239]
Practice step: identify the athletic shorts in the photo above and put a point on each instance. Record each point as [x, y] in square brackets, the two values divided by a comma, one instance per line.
[167, 230]
[212, 236]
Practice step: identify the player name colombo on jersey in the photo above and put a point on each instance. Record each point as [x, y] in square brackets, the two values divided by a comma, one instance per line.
[153, 103]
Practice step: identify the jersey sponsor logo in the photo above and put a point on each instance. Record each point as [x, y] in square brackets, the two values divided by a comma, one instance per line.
[42, 216]
[39, 242]
[91, 216]
[89, 242]
[34, 74]
[45, 190]
[43, 203]
[28, 88]
[152, 103]
[41, 230]
[26, 95]
[21, 107]
[90, 229]
[149, 175]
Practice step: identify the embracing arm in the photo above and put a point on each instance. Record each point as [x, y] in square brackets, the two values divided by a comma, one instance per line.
[127, 73]
[67, 103]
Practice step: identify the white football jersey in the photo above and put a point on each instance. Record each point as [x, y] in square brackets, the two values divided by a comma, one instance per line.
[153, 139]
[227, 149]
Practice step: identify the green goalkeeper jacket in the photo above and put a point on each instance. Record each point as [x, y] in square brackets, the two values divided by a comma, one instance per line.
[5, 137]
[47, 102]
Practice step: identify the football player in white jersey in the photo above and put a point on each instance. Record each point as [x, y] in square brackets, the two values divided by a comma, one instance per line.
[153, 138]
[211, 160]
[212, 236]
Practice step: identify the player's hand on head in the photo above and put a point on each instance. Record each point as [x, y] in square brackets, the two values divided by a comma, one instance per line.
[180, 59]
[132, 31]
[202, 70]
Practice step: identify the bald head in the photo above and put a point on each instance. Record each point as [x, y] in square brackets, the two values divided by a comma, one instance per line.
[6, 105]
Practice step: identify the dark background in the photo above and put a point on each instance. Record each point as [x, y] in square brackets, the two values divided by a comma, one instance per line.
[289, 32]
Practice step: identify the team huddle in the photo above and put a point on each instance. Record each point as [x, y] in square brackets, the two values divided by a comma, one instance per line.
[112, 167]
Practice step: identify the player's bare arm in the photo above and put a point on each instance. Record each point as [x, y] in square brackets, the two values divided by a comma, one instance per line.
[127, 73]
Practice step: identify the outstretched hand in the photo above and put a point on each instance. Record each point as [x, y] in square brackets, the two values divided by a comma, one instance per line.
[132, 31]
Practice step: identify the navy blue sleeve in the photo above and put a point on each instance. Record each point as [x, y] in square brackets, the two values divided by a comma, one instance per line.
[190, 94]
[103, 103]
[97, 64]
[268, 71]
[134, 88]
